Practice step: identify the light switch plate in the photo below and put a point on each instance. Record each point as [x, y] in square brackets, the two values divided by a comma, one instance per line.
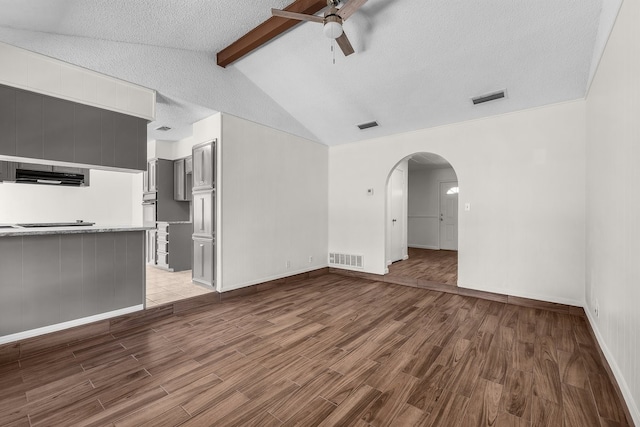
[467, 206]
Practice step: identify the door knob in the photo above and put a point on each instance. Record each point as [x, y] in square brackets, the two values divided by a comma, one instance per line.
[394, 220]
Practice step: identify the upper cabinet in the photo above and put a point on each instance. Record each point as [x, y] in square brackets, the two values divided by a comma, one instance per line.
[152, 176]
[204, 166]
[182, 179]
[38, 126]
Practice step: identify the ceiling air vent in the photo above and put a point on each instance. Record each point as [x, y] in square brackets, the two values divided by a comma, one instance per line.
[163, 128]
[364, 126]
[486, 98]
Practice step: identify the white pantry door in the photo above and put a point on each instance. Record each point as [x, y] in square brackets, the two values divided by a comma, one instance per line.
[449, 215]
[397, 214]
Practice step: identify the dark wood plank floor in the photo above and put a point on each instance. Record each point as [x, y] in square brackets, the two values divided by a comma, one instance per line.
[330, 351]
[427, 264]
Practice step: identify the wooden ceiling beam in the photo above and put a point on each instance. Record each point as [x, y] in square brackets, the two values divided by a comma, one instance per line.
[268, 30]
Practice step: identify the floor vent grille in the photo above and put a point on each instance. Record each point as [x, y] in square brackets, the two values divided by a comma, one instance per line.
[346, 260]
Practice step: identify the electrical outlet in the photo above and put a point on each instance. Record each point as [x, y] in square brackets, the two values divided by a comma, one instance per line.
[597, 308]
[310, 259]
[288, 264]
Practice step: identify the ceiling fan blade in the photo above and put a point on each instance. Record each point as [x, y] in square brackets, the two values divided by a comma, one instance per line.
[298, 16]
[349, 9]
[345, 44]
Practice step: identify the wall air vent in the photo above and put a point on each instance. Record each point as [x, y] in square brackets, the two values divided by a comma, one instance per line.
[364, 126]
[163, 128]
[346, 260]
[490, 97]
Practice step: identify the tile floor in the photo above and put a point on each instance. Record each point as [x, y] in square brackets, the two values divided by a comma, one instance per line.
[164, 286]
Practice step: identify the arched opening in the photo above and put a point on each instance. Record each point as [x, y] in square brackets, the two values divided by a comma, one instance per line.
[422, 221]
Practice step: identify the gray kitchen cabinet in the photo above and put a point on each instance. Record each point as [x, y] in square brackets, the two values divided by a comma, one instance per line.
[126, 140]
[7, 121]
[182, 182]
[38, 126]
[50, 279]
[204, 165]
[152, 175]
[141, 144]
[204, 214]
[4, 171]
[87, 128]
[203, 270]
[150, 245]
[173, 246]
[29, 140]
[188, 165]
[107, 139]
[58, 129]
[179, 188]
[145, 182]
[158, 202]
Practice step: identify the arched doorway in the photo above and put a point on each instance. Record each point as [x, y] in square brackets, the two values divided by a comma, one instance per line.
[422, 221]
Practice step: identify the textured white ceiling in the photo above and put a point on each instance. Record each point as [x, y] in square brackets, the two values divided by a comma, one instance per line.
[417, 63]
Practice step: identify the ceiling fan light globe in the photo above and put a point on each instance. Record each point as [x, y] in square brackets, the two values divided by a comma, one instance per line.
[332, 30]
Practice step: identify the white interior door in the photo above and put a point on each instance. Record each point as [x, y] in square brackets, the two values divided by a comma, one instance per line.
[397, 215]
[449, 215]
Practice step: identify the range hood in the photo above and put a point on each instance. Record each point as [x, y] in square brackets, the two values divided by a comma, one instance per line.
[29, 173]
[25, 176]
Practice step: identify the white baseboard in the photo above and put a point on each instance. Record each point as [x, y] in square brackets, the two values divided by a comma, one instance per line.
[436, 248]
[70, 324]
[274, 277]
[624, 387]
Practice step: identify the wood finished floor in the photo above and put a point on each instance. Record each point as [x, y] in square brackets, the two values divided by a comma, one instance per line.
[330, 351]
[429, 265]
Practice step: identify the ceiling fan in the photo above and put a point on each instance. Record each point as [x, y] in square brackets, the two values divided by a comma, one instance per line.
[332, 21]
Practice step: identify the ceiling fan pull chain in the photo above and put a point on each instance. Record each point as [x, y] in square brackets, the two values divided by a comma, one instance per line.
[333, 50]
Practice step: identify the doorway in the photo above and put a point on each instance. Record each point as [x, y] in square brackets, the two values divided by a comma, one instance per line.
[430, 197]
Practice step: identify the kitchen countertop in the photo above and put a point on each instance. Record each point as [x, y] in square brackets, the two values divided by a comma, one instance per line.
[173, 222]
[41, 231]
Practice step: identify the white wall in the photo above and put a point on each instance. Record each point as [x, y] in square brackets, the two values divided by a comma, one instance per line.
[274, 203]
[523, 174]
[613, 203]
[113, 198]
[424, 206]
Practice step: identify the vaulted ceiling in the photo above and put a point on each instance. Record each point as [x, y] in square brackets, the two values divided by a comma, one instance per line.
[417, 63]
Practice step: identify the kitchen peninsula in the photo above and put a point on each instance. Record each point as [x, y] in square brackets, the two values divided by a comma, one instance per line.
[57, 277]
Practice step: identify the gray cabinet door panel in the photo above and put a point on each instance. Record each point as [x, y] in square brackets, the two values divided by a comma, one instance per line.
[203, 166]
[105, 270]
[142, 144]
[203, 214]
[203, 262]
[41, 281]
[90, 300]
[120, 276]
[88, 135]
[57, 123]
[11, 290]
[7, 121]
[126, 139]
[134, 293]
[107, 138]
[178, 180]
[71, 277]
[29, 125]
